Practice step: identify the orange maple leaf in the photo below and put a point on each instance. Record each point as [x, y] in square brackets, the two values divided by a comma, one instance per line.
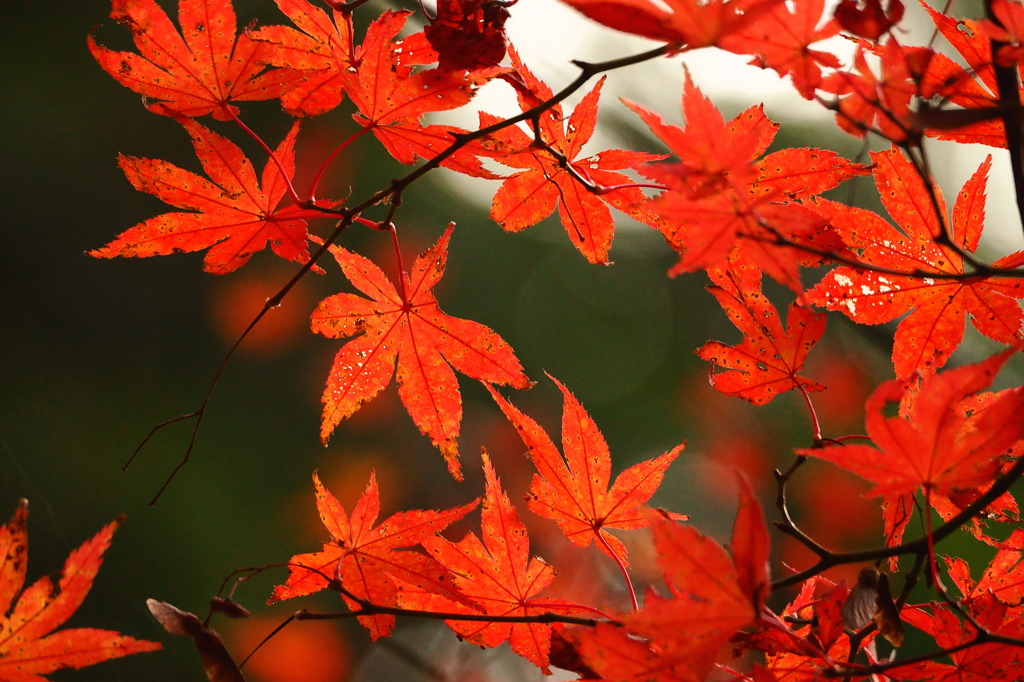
[363, 556]
[885, 103]
[971, 88]
[799, 652]
[986, 661]
[28, 650]
[935, 447]
[378, 77]
[768, 360]
[409, 330]
[392, 99]
[320, 49]
[714, 595]
[547, 181]
[616, 655]
[497, 577]
[574, 492]
[781, 40]
[236, 216]
[1002, 580]
[938, 306]
[198, 72]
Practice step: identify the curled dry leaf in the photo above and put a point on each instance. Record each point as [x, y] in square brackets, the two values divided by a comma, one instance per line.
[217, 662]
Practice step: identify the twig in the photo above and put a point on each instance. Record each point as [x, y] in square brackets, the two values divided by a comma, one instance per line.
[918, 546]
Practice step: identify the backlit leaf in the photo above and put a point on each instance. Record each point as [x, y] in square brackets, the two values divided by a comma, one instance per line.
[574, 491]
[407, 329]
[29, 647]
[364, 556]
[195, 72]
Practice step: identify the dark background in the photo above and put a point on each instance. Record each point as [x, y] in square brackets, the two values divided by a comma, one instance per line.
[96, 352]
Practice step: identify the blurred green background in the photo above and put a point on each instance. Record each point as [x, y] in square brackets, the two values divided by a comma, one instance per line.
[97, 352]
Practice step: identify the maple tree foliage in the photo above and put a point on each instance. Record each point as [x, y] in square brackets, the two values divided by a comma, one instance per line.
[941, 448]
[927, 337]
[721, 199]
[29, 647]
[495, 575]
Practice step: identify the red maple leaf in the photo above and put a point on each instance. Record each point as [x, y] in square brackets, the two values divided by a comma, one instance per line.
[867, 18]
[689, 23]
[768, 360]
[236, 218]
[574, 491]
[378, 77]
[1004, 508]
[553, 176]
[498, 577]
[798, 653]
[616, 655]
[320, 50]
[884, 104]
[781, 39]
[713, 597]
[363, 556]
[897, 510]
[392, 99]
[934, 447]
[469, 34]
[28, 646]
[198, 71]
[937, 305]
[1007, 26]
[973, 88]
[722, 200]
[1003, 579]
[407, 329]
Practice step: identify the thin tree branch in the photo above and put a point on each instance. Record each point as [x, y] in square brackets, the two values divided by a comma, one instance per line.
[918, 546]
[1012, 115]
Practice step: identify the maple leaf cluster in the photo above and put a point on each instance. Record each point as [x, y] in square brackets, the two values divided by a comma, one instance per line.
[725, 203]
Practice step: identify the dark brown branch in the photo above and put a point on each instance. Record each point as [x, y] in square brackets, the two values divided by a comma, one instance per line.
[918, 546]
[981, 637]
[787, 525]
[1012, 115]
[373, 610]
